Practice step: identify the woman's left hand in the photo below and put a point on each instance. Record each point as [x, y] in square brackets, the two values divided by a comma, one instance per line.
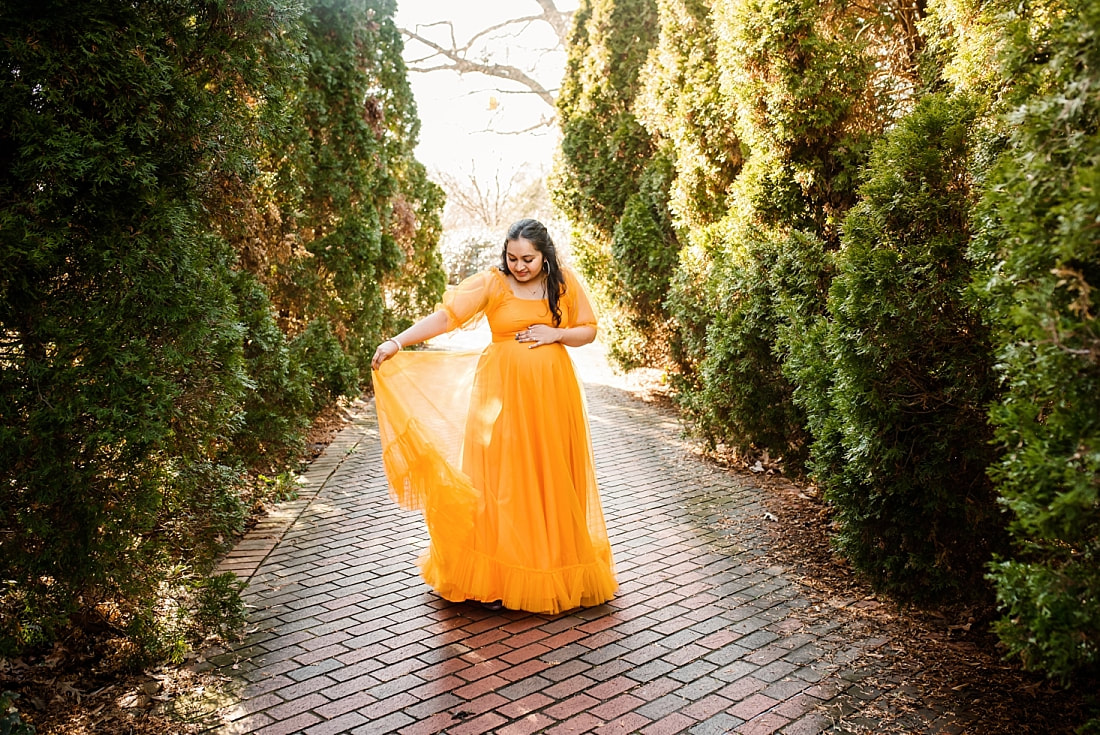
[539, 334]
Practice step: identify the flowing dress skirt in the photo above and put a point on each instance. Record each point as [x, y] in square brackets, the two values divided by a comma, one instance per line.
[494, 448]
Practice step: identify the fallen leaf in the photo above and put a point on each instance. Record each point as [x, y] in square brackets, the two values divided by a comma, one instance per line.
[67, 688]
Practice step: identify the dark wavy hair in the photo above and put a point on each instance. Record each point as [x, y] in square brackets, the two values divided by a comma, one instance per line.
[535, 233]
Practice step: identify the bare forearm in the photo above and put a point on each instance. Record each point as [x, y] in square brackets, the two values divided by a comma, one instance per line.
[576, 336]
[430, 326]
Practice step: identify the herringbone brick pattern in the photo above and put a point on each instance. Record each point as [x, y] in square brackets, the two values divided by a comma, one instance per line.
[704, 636]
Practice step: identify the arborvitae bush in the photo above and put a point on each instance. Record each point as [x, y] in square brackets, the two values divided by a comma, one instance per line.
[149, 154]
[910, 365]
[610, 179]
[682, 106]
[416, 287]
[802, 272]
[795, 74]
[330, 370]
[604, 149]
[1042, 250]
[644, 255]
[762, 306]
[121, 371]
[350, 193]
[743, 399]
[681, 102]
[798, 75]
[277, 408]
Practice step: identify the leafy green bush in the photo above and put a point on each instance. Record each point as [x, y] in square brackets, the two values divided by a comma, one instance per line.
[644, 255]
[681, 102]
[793, 73]
[910, 363]
[798, 75]
[150, 153]
[279, 401]
[743, 398]
[330, 370]
[192, 608]
[121, 371]
[611, 181]
[643, 244]
[357, 206]
[10, 721]
[1042, 253]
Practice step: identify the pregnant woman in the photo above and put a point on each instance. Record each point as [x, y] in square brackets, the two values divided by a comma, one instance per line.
[494, 446]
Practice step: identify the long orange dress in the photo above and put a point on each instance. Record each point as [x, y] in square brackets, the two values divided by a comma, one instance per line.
[494, 448]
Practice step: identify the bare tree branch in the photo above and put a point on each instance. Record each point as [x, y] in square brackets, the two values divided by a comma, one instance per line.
[484, 202]
[491, 29]
[545, 122]
[463, 65]
[457, 56]
[558, 20]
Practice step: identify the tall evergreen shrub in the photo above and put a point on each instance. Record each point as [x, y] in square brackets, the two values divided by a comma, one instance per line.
[352, 197]
[794, 74]
[201, 207]
[682, 106]
[1042, 249]
[416, 225]
[610, 179]
[279, 402]
[903, 451]
[681, 102]
[741, 397]
[121, 370]
[643, 257]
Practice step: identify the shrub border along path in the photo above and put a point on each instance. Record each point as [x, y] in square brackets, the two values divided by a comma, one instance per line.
[706, 635]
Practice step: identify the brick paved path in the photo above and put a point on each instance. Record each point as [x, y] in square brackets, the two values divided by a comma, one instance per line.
[704, 636]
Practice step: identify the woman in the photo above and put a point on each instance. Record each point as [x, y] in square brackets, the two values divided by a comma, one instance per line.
[493, 446]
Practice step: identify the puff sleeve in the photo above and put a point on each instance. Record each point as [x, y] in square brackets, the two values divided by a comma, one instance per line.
[578, 305]
[468, 300]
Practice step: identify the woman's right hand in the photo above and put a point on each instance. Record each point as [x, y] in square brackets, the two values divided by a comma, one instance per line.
[385, 351]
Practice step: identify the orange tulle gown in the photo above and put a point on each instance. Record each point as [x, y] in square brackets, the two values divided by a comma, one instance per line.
[493, 447]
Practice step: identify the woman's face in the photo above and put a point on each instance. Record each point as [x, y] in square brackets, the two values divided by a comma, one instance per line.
[524, 261]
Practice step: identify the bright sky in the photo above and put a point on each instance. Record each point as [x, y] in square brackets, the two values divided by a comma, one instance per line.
[461, 132]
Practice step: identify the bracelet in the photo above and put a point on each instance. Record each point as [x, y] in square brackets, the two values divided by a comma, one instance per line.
[394, 340]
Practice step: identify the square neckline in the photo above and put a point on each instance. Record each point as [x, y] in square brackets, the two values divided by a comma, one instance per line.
[515, 295]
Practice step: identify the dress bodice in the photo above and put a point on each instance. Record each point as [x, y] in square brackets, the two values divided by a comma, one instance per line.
[490, 294]
[513, 314]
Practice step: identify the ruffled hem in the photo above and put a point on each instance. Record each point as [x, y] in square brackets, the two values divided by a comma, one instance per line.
[477, 576]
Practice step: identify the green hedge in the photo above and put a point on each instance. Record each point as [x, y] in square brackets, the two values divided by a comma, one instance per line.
[946, 429]
[1041, 245]
[904, 455]
[611, 179]
[122, 368]
[159, 194]
[742, 397]
[790, 72]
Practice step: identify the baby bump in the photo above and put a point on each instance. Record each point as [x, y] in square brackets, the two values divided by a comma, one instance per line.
[519, 361]
[519, 391]
[516, 375]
